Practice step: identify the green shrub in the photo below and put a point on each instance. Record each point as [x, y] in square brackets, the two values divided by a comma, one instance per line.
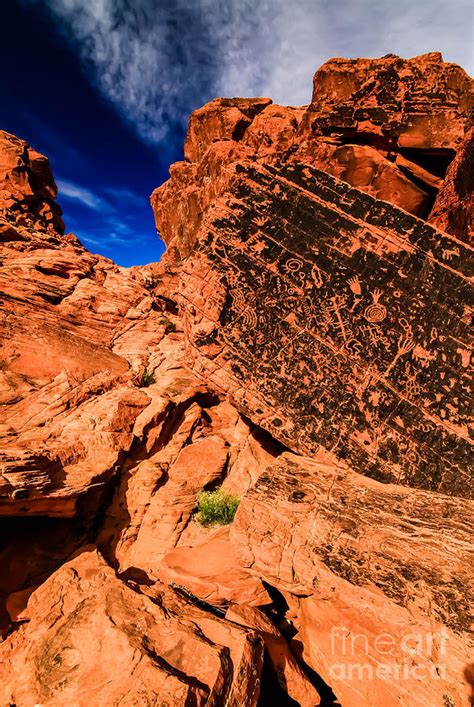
[147, 379]
[216, 507]
[168, 324]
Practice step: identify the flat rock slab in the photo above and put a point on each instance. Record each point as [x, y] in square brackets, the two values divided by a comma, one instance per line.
[364, 563]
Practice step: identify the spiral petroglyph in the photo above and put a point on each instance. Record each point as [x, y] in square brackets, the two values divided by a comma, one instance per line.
[293, 265]
[375, 312]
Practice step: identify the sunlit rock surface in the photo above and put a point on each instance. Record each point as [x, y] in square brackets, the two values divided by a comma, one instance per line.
[304, 345]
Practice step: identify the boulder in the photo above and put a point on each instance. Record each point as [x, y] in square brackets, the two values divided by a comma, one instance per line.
[86, 636]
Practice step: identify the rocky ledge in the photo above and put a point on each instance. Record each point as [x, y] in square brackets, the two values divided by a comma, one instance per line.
[303, 345]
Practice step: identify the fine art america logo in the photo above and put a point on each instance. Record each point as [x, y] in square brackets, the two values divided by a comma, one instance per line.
[384, 656]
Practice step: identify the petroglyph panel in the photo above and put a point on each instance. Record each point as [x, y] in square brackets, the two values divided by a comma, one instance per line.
[337, 320]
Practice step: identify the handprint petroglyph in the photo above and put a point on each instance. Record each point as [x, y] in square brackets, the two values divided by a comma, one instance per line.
[354, 284]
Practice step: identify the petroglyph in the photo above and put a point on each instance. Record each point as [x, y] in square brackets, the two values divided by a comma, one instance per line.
[347, 344]
[375, 312]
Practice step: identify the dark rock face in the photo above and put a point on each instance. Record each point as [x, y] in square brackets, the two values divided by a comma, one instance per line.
[337, 320]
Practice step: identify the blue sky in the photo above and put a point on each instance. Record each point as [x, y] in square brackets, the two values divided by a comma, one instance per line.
[105, 87]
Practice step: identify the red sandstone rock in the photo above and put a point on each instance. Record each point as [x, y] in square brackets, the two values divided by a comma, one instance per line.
[453, 209]
[211, 570]
[27, 187]
[265, 222]
[199, 186]
[273, 130]
[366, 560]
[388, 126]
[365, 168]
[221, 119]
[77, 333]
[91, 638]
[420, 103]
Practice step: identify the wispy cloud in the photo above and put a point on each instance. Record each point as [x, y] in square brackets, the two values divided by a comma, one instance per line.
[69, 190]
[108, 238]
[108, 199]
[156, 60]
[107, 228]
[123, 194]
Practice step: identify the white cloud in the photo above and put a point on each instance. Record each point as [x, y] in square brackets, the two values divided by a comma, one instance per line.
[156, 60]
[69, 190]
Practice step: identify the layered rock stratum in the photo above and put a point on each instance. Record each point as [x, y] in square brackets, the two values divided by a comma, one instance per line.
[304, 344]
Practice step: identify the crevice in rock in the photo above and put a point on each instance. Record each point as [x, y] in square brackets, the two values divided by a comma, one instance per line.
[219, 611]
[175, 416]
[168, 305]
[268, 442]
[276, 612]
[328, 698]
[271, 691]
[168, 668]
[240, 129]
[434, 161]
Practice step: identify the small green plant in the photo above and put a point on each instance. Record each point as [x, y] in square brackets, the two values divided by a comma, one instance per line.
[168, 324]
[216, 507]
[147, 379]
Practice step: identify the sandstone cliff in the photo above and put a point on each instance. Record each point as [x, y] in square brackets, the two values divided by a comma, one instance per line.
[304, 345]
